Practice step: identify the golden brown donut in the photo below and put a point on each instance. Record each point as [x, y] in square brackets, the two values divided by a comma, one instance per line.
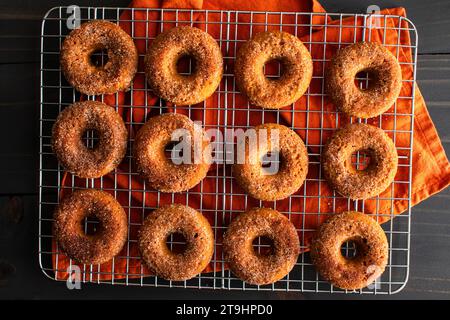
[338, 169]
[161, 172]
[197, 232]
[111, 233]
[292, 170]
[297, 69]
[94, 36]
[161, 65]
[69, 128]
[382, 67]
[251, 266]
[371, 250]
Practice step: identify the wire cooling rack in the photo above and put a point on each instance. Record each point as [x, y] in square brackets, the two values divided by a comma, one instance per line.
[56, 94]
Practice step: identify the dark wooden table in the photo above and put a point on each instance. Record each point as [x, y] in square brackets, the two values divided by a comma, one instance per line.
[20, 276]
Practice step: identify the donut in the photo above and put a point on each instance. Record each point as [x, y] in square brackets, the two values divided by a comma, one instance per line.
[197, 232]
[292, 169]
[160, 171]
[383, 69]
[296, 71]
[91, 37]
[371, 250]
[161, 65]
[111, 232]
[70, 126]
[376, 177]
[261, 268]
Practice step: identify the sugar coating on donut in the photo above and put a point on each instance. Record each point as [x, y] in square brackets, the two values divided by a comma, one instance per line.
[371, 250]
[161, 65]
[111, 233]
[338, 169]
[71, 126]
[292, 170]
[296, 75]
[261, 269]
[93, 36]
[152, 163]
[384, 87]
[197, 232]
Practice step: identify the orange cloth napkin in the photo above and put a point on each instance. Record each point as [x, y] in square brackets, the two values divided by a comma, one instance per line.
[431, 169]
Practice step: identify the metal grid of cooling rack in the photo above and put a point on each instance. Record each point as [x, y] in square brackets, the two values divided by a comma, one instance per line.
[56, 94]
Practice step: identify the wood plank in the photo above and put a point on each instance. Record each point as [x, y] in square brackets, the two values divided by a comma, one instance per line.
[430, 18]
[19, 122]
[19, 90]
[19, 217]
[19, 32]
[20, 23]
[20, 27]
[434, 80]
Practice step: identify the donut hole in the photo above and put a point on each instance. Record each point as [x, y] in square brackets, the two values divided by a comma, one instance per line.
[273, 69]
[263, 245]
[349, 249]
[91, 225]
[91, 138]
[361, 160]
[186, 65]
[271, 162]
[354, 248]
[176, 242]
[99, 57]
[366, 79]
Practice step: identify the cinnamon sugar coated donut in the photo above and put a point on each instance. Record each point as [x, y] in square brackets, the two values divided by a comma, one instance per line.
[292, 167]
[253, 267]
[296, 74]
[111, 233]
[94, 36]
[383, 69]
[73, 154]
[360, 184]
[371, 250]
[197, 232]
[161, 171]
[161, 65]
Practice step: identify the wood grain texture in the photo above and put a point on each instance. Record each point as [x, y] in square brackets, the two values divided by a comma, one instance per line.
[20, 23]
[430, 18]
[19, 80]
[19, 108]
